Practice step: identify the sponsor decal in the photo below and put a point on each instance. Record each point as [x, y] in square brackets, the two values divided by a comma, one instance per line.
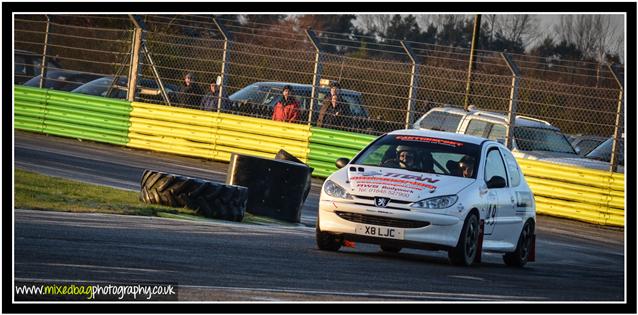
[393, 185]
[430, 140]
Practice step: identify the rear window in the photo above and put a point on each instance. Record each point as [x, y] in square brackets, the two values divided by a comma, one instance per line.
[432, 155]
[441, 121]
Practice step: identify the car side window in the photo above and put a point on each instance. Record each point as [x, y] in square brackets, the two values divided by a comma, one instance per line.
[494, 165]
[21, 66]
[477, 127]
[512, 168]
[441, 121]
[497, 133]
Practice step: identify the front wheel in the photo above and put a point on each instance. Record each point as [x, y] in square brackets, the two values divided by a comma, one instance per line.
[326, 241]
[519, 257]
[467, 247]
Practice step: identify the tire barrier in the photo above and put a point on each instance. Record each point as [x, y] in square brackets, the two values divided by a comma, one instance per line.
[283, 155]
[327, 145]
[212, 200]
[276, 187]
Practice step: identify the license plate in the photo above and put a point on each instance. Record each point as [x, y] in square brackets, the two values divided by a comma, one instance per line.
[379, 231]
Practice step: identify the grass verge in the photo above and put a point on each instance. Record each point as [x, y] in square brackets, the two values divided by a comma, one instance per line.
[41, 192]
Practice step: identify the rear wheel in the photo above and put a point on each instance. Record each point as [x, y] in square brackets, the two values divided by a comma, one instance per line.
[467, 247]
[519, 257]
[326, 241]
[390, 249]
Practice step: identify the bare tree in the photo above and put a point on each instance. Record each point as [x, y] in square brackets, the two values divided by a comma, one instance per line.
[377, 22]
[517, 27]
[592, 34]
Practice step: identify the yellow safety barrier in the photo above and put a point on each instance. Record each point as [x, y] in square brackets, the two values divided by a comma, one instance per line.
[583, 194]
[213, 135]
[573, 174]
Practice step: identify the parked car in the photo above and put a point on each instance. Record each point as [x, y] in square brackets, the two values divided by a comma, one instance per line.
[28, 64]
[433, 204]
[603, 153]
[148, 90]
[585, 143]
[259, 99]
[532, 138]
[63, 80]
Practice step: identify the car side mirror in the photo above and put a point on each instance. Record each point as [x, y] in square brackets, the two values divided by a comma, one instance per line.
[496, 182]
[341, 162]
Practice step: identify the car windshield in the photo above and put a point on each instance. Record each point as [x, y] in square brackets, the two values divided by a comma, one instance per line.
[603, 151]
[424, 154]
[248, 93]
[100, 86]
[541, 139]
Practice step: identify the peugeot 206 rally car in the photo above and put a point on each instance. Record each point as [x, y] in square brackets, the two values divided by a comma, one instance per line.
[430, 190]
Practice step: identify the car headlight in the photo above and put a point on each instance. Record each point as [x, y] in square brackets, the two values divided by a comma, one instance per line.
[332, 189]
[436, 202]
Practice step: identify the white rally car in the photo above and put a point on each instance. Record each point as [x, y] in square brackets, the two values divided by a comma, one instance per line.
[430, 190]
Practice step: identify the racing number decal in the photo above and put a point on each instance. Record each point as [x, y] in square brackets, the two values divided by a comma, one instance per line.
[490, 219]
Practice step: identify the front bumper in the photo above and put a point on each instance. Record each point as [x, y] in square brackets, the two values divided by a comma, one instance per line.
[421, 229]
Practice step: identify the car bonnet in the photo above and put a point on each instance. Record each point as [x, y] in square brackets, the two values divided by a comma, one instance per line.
[398, 184]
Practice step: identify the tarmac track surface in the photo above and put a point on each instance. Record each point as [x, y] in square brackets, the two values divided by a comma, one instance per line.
[225, 261]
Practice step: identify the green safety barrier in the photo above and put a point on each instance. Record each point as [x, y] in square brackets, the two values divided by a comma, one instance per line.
[71, 114]
[327, 145]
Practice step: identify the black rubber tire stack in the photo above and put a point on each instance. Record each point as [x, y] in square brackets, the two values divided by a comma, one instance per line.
[284, 155]
[212, 200]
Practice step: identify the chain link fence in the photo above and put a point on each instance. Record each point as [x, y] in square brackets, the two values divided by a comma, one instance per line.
[383, 86]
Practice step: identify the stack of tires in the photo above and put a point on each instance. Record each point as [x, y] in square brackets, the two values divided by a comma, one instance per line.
[210, 199]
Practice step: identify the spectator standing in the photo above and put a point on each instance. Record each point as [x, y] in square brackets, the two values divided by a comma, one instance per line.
[190, 92]
[334, 90]
[287, 109]
[334, 114]
[210, 100]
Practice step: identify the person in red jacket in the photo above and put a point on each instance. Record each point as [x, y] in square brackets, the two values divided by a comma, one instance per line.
[287, 109]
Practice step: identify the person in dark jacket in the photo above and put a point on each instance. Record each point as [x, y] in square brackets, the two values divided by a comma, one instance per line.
[210, 100]
[190, 92]
[334, 90]
[335, 113]
[287, 109]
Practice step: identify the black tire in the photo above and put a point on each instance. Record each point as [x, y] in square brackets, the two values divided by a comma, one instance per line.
[212, 200]
[467, 247]
[390, 249]
[326, 241]
[284, 155]
[518, 258]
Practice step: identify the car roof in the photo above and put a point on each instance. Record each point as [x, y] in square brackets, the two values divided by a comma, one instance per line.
[299, 85]
[441, 135]
[521, 121]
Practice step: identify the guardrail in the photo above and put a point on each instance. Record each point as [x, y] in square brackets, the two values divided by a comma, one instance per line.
[572, 192]
[212, 135]
[577, 193]
[72, 115]
[327, 145]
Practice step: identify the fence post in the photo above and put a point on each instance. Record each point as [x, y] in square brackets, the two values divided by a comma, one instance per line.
[135, 60]
[225, 63]
[43, 70]
[614, 148]
[412, 94]
[316, 76]
[475, 35]
[139, 22]
[513, 98]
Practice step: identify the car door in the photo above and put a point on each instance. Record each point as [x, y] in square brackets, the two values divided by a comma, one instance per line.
[499, 197]
[522, 200]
